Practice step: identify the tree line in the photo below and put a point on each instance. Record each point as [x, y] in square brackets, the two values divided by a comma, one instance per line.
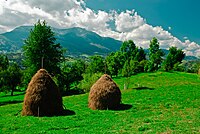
[40, 50]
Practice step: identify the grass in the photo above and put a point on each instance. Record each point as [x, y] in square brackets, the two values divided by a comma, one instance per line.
[161, 103]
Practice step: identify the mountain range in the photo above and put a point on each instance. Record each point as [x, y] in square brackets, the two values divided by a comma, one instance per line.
[77, 41]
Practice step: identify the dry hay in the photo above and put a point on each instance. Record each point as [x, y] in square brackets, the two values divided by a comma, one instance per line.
[199, 71]
[42, 96]
[104, 94]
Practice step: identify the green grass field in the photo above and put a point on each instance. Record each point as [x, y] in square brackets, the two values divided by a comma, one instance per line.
[156, 103]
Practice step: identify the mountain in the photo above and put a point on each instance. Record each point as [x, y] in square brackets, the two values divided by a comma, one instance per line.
[77, 41]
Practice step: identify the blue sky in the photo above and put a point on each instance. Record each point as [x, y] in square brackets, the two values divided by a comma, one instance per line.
[183, 16]
[172, 22]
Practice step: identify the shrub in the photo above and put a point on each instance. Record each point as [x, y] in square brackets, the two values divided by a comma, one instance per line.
[88, 81]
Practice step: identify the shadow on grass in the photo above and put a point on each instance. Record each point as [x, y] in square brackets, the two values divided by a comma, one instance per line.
[67, 112]
[143, 88]
[74, 92]
[123, 107]
[9, 102]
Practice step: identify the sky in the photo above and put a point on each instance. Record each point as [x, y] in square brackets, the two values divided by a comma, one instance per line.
[172, 22]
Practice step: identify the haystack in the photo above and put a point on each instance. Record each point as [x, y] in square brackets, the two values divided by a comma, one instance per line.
[42, 96]
[104, 94]
[199, 71]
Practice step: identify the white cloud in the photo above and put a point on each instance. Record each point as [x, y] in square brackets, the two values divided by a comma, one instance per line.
[87, 19]
[128, 21]
[75, 13]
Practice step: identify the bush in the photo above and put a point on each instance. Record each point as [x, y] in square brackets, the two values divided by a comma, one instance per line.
[88, 81]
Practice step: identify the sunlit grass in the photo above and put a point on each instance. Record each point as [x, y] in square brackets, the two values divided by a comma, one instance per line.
[161, 103]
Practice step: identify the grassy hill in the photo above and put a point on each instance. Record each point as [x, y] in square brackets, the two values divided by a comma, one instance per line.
[154, 103]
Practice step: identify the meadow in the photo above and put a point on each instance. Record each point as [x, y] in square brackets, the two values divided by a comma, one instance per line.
[154, 103]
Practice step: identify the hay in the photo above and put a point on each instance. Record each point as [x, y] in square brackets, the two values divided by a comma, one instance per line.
[104, 94]
[42, 96]
[198, 71]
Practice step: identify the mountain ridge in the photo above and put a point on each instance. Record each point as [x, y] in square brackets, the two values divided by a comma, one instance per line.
[76, 40]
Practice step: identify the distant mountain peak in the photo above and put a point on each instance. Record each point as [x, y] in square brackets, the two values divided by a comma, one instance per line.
[77, 41]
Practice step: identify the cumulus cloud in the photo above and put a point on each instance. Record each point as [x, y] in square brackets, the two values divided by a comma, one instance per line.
[75, 13]
[130, 21]
[87, 19]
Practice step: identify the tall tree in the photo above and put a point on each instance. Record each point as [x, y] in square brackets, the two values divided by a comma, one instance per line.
[175, 56]
[129, 49]
[114, 62]
[41, 51]
[155, 55]
[140, 55]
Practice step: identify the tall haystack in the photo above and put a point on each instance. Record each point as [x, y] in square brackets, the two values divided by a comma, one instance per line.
[42, 96]
[104, 94]
[199, 71]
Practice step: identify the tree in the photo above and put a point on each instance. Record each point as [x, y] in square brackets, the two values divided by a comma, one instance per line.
[4, 63]
[11, 77]
[174, 57]
[126, 70]
[41, 51]
[140, 55]
[114, 63]
[72, 74]
[96, 65]
[129, 49]
[155, 56]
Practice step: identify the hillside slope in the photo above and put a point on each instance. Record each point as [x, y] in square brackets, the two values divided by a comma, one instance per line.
[76, 40]
[154, 103]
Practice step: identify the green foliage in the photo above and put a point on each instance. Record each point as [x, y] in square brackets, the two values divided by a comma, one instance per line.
[96, 65]
[155, 56]
[174, 57]
[4, 63]
[11, 78]
[140, 55]
[190, 66]
[88, 81]
[132, 58]
[126, 70]
[114, 63]
[71, 75]
[129, 49]
[41, 51]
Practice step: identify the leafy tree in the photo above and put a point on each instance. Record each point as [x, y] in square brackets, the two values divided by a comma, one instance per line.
[129, 49]
[140, 55]
[141, 66]
[88, 81]
[11, 77]
[174, 57]
[114, 63]
[4, 63]
[134, 67]
[126, 70]
[41, 51]
[96, 65]
[133, 56]
[155, 56]
[70, 75]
